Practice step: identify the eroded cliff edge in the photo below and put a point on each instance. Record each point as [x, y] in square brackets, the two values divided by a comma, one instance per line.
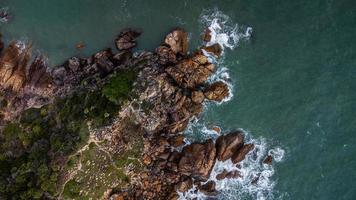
[111, 125]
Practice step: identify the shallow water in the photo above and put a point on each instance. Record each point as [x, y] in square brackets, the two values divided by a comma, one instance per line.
[294, 80]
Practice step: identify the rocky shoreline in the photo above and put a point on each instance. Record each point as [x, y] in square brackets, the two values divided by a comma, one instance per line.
[169, 91]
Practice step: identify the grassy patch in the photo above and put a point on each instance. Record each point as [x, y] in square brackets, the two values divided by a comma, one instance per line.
[119, 86]
[98, 173]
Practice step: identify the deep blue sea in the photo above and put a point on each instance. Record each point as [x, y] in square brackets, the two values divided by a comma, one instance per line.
[291, 65]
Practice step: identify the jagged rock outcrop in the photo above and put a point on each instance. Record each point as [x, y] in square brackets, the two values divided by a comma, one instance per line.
[127, 39]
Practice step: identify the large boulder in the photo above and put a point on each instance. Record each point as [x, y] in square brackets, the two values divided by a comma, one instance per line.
[241, 153]
[177, 41]
[198, 160]
[227, 145]
[127, 39]
[217, 91]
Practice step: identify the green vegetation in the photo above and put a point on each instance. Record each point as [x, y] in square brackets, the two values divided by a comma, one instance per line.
[34, 150]
[120, 85]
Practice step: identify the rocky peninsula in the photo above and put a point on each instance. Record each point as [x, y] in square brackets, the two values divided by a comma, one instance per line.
[111, 126]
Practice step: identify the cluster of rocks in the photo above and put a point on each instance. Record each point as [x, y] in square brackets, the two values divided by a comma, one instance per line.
[176, 87]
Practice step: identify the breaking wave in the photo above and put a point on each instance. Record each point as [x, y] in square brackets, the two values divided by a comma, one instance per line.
[228, 35]
[256, 177]
[223, 30]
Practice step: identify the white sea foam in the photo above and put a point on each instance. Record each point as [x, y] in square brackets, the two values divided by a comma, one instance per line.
[223, 30]
[227, 34]
[256, 181]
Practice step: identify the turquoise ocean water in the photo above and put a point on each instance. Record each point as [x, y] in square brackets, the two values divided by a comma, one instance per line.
[294, 78]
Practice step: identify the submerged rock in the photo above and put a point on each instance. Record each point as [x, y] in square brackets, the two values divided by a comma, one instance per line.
[4, 15]
[268, 160]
